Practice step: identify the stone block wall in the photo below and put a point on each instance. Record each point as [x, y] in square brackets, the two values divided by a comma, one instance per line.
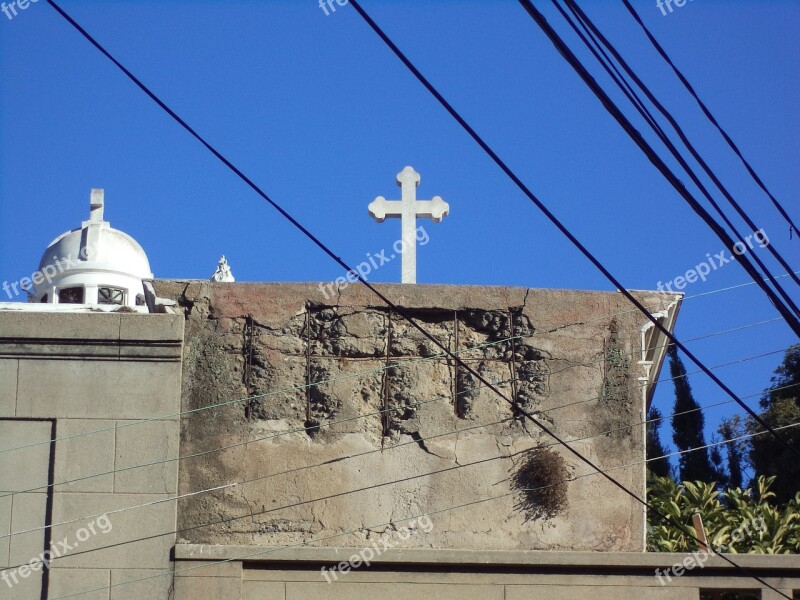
[88, 381]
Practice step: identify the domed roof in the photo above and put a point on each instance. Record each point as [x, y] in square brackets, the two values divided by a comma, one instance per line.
[104, 263]
[109, 250]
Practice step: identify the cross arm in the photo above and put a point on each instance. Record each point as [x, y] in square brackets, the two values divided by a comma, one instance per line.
[435, 209]
[381, 208]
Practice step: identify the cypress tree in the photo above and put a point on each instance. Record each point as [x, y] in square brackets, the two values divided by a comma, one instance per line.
[655, 448]
[687, 429]
[729, 429]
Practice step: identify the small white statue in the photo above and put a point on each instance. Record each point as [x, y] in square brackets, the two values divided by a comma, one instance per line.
[223, 274]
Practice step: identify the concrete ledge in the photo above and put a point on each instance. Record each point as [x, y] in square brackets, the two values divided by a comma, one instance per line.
[439, 558]
[87, 336]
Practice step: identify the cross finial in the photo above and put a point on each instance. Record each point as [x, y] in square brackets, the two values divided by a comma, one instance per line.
[96, 205]
[408, 209]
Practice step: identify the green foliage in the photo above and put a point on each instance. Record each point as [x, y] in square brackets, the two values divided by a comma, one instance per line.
[768, 456]
[781, 404]
[736, 520]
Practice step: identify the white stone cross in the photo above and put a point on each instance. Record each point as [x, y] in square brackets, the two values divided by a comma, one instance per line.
[408, 209]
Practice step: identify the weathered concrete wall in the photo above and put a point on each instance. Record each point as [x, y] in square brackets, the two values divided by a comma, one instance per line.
[372, 444]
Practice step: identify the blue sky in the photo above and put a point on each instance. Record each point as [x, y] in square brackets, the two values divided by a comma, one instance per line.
[316, 110]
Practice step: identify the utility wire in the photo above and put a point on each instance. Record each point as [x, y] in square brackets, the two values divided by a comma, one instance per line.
[373, 527]
[355, 375]
[500, 163]
[378, 369]
[710, 117]
[272, 435]
[292, 388]
[676, 296]
[565, 51]
[595, 34]
[330, 253]
[318, 242]
[337, 460]
[307, 428]
[340, 459]
[655, 159]
[406, 316]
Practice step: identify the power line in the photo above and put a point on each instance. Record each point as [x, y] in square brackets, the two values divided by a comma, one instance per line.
[710, 117]
[307, 428]
[415, 441]
[386, 449]
[273, 435]
[293, 388]
[656, 160]
[378, 369]
[372, 527]
[386, 300]
[392, 447]
[356, 375]
[268, 476]
[565, 51]
[734, 287]
[595, 34]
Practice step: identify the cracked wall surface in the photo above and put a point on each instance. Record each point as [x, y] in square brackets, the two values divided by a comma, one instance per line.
[337, 415]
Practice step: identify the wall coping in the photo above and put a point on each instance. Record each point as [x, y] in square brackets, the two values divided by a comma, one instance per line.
[493, 558]
[91, 336]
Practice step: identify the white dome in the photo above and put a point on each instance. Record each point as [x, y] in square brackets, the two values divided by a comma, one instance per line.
[115, 251]
[93, 264]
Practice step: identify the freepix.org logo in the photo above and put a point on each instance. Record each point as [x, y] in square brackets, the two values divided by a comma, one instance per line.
[704, 269]
[57, 549]
[366, 555]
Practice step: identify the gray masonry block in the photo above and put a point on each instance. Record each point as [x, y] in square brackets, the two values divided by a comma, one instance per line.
[581, 592]
[146, 443]
[263, 590]
[97, 389]
[64, 582]
[138, 538]
[8, 387]
[5, 529]
[396, 591]
[85, 455]
[208, 588]
[140, 583]
[19, 587]
[210, 568]
[157, 328]
[28, 511]
[25, 468]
